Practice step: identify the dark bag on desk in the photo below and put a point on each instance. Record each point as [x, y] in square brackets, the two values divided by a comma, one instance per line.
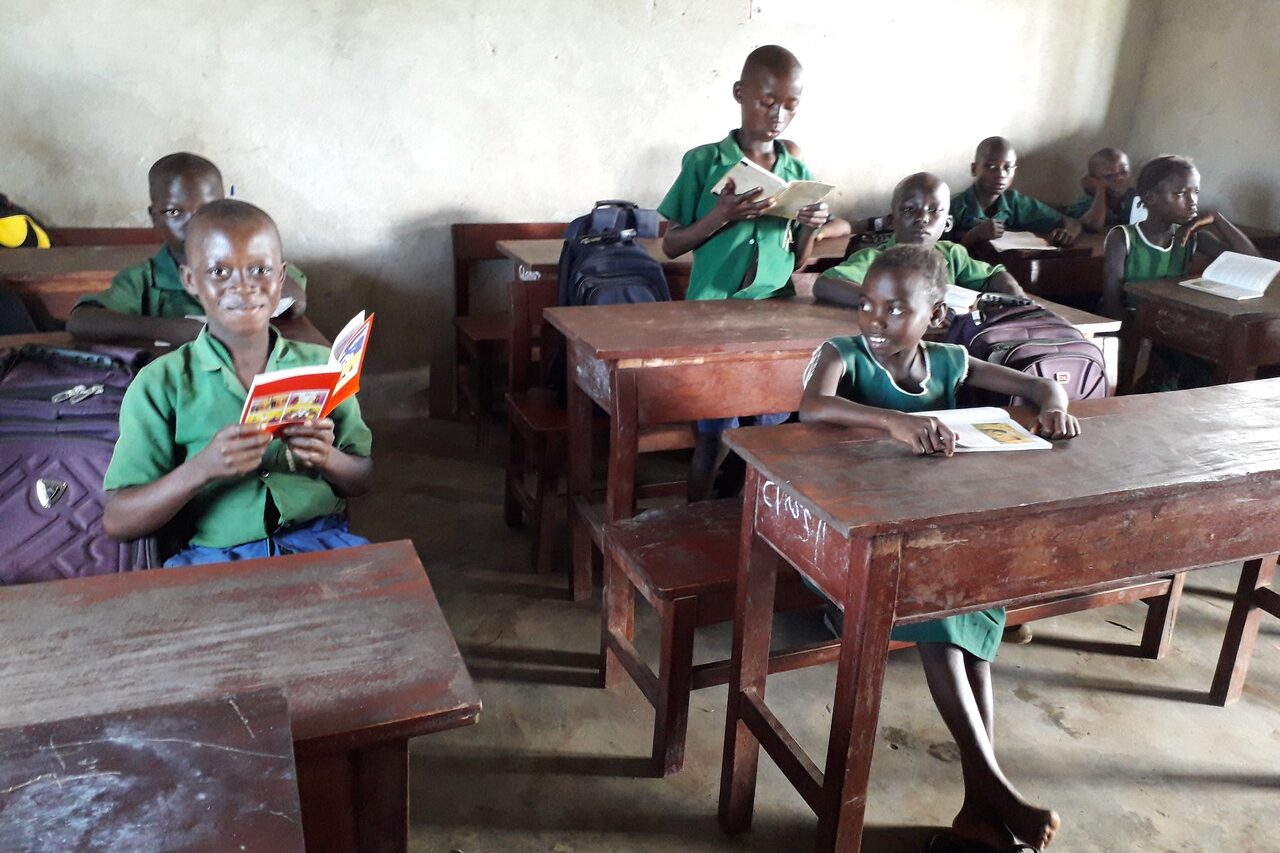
[1021, 335]
[59, 419]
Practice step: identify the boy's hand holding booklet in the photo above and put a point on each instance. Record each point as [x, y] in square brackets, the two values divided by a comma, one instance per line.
[309, 393]
[787, 196]
[1236, 276]
[986, 429]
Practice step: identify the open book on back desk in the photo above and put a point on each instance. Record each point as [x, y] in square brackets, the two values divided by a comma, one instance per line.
[301, 394]
[987, 429]
[1024, 240]
[1236, 276]
[788, 196]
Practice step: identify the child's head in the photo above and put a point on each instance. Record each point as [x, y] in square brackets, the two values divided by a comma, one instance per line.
[994, 164]
[180, 184]
[234, 266]
[769, 91]
[920, 210]
[902, 295]
[1110, 167]
[1170, 189]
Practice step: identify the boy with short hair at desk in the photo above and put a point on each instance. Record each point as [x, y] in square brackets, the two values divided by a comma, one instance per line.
[990, 205]
[919, 218]
[1108, 192]
[182, 452]
[870, 381]
[738, 251]
[148, 301]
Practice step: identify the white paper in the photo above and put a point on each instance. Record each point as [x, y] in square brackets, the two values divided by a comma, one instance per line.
[987, 429]
[960, 299]
[1137, 211]
[1021, 240]
[1237, 276]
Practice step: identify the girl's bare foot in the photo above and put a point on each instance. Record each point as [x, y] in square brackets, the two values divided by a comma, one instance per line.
[1032, 825]
[982, 827]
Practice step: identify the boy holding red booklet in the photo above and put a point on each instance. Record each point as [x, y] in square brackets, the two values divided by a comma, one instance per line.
[234, 491]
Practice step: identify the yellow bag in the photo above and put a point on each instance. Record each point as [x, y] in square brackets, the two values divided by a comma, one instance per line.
[20, 231]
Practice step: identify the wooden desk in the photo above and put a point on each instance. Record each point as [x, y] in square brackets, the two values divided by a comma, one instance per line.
[1073, 274]
[212, 774]
[1155, 484]
[294, 328]
[353, 637]
[1238, 337]
[73, 260]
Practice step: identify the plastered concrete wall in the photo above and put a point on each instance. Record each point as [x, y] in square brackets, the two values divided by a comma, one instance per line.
[367, 128]
[1209, 90]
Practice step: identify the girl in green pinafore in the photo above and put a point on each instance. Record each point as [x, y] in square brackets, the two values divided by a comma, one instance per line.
[870, 380]
[1162, 246]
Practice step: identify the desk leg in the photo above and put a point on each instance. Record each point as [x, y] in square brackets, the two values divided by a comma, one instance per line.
[1242, 632]
[752, 631]
[580, 443]
[1134, 336]
[1234, 364]
[870, 602]
[620, 503]
[357, 800]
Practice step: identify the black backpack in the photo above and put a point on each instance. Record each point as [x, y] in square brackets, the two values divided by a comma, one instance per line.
[601, 263]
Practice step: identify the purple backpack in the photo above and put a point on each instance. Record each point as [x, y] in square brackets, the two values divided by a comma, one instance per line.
[1021, 335]
[59, 419]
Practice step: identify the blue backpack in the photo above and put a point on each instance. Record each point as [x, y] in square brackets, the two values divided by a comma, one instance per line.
[601, 263]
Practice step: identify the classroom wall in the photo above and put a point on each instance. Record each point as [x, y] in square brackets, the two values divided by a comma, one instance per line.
[366, 128]
[1209, 92]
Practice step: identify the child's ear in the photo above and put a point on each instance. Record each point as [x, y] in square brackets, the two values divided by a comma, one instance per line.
[737, 91]
[188, 276]
[973, 169]
[939, 315]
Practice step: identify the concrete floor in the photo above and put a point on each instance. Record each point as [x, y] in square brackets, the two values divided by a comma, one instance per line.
[1127, 750]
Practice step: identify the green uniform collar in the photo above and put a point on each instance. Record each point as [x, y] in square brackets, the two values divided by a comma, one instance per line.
[211, 354]
[164, 271]
[729, 152]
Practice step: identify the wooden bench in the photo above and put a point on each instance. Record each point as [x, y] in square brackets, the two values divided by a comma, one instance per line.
[1253, 598]
[684, 562]
[51, 281]
[480, 337]
[103, 236]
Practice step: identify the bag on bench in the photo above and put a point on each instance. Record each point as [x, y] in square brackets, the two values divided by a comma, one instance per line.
[1021, 335]
[59, 419]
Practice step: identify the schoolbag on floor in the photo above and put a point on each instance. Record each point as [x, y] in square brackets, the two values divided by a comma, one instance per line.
[59, 419]
[1021, 335]
[601, 263]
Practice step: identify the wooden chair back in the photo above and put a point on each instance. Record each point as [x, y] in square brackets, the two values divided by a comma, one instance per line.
[525, 334]
[478, 241]
[103, 236]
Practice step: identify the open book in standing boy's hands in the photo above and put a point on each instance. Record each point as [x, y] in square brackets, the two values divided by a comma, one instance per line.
[308, 393]
[1236, 276]
[787, 196]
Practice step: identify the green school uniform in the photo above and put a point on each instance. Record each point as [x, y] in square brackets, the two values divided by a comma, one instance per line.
[720, 265]
[964, 269]
[177, 403]
[154, 289]
[1017, 211]
[1080, 207]
[865, 381]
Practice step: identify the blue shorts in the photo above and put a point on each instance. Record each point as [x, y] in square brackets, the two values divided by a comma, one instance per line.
[326, 533]
[719, 425]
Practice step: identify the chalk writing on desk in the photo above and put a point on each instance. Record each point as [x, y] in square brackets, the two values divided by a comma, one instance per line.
[783, 504]
[527, 274]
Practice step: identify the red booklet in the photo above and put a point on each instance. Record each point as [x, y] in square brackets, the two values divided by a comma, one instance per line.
[308, 393]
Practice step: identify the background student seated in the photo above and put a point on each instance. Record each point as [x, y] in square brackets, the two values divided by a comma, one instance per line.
[991, 205]
[1108, 192]
[148, 301]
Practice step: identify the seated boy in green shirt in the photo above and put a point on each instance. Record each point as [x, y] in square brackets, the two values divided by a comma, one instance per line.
[182, 454]
[738, 251]
[989, 207]
[148, 301]
[919, 217]
[1108, 192]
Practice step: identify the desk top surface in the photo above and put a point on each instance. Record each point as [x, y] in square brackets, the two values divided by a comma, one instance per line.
[544, 255]
[73, 259]
[210, 774]
[1169, 291]
[354, 637]
[1129, 446]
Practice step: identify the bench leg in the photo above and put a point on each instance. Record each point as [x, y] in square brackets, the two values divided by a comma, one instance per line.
[483, 371]
[551, 464]
[1157, 632]
[675, 677]
[511, 512]
[618, 618]
[1242, 632]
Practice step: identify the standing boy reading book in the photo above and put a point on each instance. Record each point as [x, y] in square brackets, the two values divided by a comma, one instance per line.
[919, 218]
[990, 206]
[738, 251]
[1108, 192]
[872, 380]
[182, 454]
[149, 301]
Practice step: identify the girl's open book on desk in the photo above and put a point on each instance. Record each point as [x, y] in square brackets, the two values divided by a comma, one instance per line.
[788, 196]
[308, 393]
[1236, 276]
[987, 429]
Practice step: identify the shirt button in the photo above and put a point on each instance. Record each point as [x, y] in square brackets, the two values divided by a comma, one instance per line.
[264, 473]
[752, 241]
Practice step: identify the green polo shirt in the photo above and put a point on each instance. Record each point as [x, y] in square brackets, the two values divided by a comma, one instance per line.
[720, 265]
[1080, 207]
[1017, 211]
[964, 269]
[154, 289]
[176, 404]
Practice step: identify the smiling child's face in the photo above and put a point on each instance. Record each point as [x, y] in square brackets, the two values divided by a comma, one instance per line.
[236, 272]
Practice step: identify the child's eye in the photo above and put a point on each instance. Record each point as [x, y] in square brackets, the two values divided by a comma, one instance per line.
[261, 271]
[173, 213]
[219, 272]
[895, 310]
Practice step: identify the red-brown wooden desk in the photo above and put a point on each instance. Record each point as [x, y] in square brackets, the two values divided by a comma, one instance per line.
[1155, 484]
[211, 774]
[354, 638]
[293, 328]
[1237, 337]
